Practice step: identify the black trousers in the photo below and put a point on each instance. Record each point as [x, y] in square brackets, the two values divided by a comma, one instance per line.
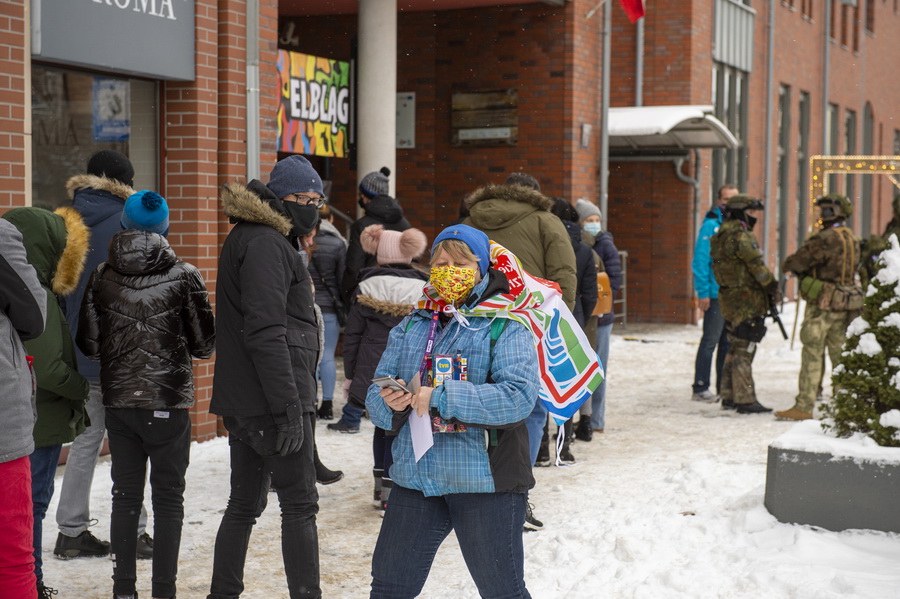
[163, 436]
[294, 480]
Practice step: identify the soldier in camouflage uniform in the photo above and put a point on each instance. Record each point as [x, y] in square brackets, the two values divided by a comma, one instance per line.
[873, 247]
[826, 264]
[746, 290]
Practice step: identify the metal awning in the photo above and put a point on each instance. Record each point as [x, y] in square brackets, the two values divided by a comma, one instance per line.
[635, 129]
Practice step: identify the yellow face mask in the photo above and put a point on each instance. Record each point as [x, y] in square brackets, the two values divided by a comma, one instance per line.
[453, 283]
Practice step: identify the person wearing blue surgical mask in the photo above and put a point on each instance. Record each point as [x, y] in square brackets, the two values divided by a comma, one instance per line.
[593, 413]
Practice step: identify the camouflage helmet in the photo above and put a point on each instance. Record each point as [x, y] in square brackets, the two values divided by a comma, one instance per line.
[835, 206]
[742, 202]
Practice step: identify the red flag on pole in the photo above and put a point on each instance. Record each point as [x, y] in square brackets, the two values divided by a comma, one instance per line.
[634, 9]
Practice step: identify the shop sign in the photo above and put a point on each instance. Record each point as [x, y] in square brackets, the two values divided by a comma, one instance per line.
[151, 38]
[314, 106]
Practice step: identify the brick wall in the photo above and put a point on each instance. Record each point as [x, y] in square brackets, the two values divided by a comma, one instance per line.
[14, 99]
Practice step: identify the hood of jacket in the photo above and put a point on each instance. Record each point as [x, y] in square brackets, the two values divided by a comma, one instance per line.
[384, 209]
[499, 206]
[574, 231]
[326, 228]
[393, 291]
[254, 203]
[56, 244]
[97, 198]
[134, 252]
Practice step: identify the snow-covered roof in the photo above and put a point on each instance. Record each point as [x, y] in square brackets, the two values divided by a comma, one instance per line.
[638, 128]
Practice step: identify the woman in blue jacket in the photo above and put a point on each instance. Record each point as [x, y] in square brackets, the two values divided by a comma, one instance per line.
[474, 478]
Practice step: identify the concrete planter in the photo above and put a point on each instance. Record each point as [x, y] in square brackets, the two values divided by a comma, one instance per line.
[832, 483]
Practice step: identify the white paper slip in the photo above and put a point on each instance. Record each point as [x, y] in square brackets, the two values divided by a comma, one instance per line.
[419, 426]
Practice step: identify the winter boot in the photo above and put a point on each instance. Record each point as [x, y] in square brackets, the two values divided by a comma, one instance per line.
[751, 408]
[378, 475]
[565, 454]
[543, 456]
[326, 410]
[324, 476]
[583, 431]
[531, 523]
[145, 546]
[793, 414]
[386, 486]
[84, 545]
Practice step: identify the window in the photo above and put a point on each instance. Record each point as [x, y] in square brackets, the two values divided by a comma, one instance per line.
[730, 88]
[870, 16]
[845, 24]
[784, 162]
[896, 142]
[868, 148]
[806, 8]
[831, 143]
[850, 150]
[76, 114]
[803, 167]
[855, 25]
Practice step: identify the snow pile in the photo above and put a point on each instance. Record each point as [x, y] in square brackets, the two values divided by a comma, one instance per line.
[666, 503]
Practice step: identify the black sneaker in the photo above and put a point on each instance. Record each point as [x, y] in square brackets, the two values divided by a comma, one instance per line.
[727, 404]
[543, 456]
[145, 546]
[566, 457]
[531, 523]
[342, 427]
[84, 545]
[583, 430]
[45, 592]
[751, 408]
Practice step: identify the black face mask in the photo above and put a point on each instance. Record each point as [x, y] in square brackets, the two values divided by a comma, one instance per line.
[751, 222]
[361, 203]
[304, 218]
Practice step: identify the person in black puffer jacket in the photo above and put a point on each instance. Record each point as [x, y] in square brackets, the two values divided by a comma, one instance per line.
[386, 293]
[145, 314]
[326, 266]
[380, 209]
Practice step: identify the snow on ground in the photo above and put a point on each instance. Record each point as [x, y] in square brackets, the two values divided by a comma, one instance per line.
[668, 502]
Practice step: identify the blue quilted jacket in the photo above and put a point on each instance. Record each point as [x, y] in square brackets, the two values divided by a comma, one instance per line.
[492, 455]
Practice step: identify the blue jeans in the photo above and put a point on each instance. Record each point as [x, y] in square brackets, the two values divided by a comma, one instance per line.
[598, 399]
[488, 527]
[351, 414]
[43, 469]
[327, 373]
[535, 425]
[713, 335]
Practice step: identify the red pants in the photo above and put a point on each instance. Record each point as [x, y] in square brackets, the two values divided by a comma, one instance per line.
[16, 528]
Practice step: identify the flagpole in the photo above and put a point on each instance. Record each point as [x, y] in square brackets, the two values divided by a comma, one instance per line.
[604, 117]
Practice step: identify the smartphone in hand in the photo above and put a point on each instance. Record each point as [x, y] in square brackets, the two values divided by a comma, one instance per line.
[389, 382]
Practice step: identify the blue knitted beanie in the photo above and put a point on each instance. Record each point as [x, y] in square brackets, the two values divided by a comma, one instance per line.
[477, 241]
[146, 211]
[294, 174]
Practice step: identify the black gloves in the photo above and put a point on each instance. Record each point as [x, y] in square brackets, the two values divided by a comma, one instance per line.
[289, 436]
[774, 294]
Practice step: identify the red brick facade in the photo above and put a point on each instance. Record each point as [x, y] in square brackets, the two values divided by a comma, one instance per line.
[552, 57]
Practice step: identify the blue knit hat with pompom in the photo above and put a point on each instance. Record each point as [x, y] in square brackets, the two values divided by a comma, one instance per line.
[146, 211]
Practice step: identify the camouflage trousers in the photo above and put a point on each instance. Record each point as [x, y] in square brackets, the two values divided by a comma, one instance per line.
[820, 330]
[737, 373]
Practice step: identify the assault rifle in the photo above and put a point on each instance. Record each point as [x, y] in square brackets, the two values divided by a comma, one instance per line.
[773, 313]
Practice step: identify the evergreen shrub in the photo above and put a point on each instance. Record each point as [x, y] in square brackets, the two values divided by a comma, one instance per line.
[867, 379]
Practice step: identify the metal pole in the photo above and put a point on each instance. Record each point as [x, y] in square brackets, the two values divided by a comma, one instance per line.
[767, 154]
[253, 146]
[604, 116]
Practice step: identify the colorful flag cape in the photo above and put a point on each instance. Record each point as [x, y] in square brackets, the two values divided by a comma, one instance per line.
[570, 371]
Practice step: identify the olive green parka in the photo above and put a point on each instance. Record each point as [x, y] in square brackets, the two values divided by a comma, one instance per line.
[56, 245]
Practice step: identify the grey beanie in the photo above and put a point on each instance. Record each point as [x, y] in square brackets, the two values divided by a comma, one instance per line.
[376, 183]
[586, 209]
[294, 174]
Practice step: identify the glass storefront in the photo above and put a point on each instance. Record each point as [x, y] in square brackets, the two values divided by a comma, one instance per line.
[75, 114]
